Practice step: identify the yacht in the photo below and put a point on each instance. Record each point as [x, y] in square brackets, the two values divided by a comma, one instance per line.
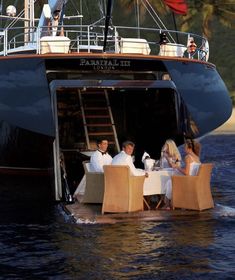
[65, 82]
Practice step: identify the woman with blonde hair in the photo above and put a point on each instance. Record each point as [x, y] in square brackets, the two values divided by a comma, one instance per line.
[191, 166]
[170, 154]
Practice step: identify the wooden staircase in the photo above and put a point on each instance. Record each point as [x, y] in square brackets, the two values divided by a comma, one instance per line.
[97, 118]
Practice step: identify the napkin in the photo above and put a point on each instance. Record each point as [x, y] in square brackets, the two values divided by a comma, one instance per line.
[144, 156]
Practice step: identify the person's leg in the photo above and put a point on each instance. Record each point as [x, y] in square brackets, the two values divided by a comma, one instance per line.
[168, 195]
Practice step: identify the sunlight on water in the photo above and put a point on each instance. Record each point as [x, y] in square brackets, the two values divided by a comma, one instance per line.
[226, 211]
[85, 221]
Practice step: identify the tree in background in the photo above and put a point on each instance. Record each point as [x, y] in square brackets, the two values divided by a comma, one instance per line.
[40, 3]
[207, 11]
[209, 16]
[130, 5]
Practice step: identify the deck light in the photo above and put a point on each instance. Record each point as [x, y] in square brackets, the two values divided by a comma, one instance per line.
[166, 77]
[11, 10]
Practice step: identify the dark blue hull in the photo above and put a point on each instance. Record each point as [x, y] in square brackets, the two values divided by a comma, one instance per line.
[147, 106]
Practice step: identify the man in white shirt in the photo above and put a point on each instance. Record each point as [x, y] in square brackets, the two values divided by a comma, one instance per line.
[125, 158]
[100, 157]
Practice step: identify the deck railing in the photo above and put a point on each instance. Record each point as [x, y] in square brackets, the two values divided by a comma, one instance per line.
[90, 38]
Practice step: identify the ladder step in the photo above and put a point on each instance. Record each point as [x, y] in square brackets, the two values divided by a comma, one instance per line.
[98, 124]
[95, 108]
[97, 116]
[94, 92]
[100, 133]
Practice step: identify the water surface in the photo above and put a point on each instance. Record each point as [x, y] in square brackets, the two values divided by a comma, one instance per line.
[39, 241]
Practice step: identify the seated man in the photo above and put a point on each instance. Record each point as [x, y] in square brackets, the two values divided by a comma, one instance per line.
[100, 157]
[124, 158]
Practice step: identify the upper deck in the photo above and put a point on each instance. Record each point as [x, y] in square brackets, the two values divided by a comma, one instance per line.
[91, 39]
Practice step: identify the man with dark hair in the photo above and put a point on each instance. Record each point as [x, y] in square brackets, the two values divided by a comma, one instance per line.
[125, 158]
[53, 24]
[100, 157]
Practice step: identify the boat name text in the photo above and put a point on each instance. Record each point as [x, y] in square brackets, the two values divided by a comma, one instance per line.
[105, 64]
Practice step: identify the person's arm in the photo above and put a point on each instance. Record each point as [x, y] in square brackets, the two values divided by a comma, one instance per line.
[178, 162]
[169, 159]
[49, 27]
[186, 169]
[133, 169]
[97, 162]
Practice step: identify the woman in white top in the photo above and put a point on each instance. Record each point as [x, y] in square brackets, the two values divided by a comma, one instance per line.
[192, 163]
[192, 160]
[170, 154]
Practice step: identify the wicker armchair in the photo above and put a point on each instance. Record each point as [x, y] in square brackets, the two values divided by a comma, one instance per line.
[94, 189]
[122, 192]
[193, 192]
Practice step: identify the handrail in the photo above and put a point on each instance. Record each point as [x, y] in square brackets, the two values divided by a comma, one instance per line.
[91, 36]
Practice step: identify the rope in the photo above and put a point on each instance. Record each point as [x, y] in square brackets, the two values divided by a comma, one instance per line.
[155, 17]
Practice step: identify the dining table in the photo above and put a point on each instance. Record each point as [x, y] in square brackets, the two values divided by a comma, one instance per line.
[154, 184]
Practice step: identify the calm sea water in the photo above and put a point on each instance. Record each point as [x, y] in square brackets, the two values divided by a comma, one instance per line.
[38, 241]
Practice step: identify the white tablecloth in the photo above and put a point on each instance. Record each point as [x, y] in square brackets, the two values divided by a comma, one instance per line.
[154, 184]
